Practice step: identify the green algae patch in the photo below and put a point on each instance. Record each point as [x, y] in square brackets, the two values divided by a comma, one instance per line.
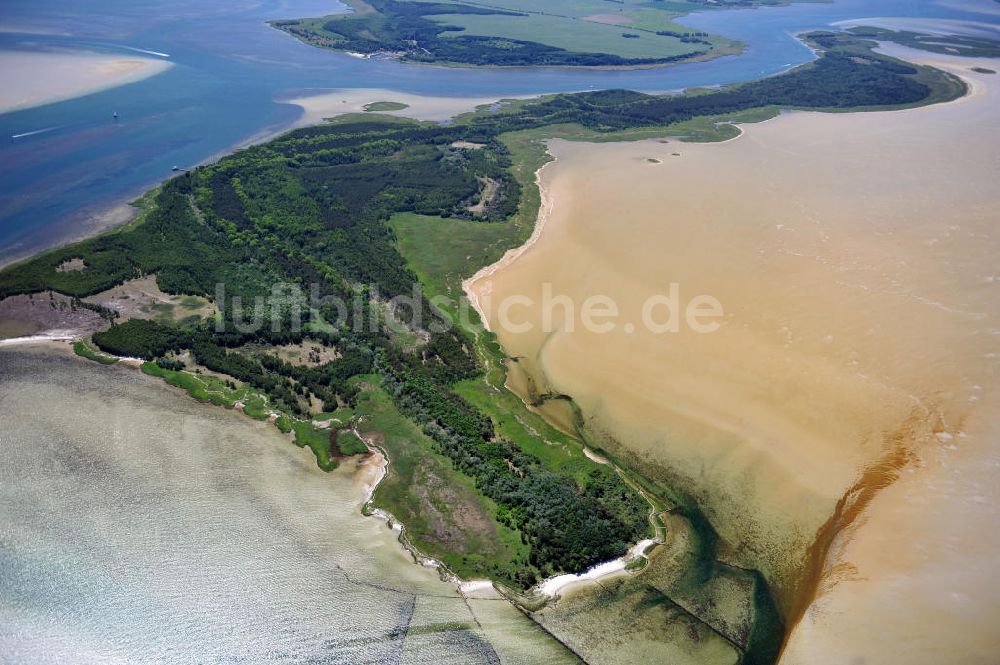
[85, 350]
[376, 107]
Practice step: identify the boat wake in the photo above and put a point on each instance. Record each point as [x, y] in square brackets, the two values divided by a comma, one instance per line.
[147, 51]
[37, 131]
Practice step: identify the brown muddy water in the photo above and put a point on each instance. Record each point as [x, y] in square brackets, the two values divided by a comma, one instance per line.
[849, 394]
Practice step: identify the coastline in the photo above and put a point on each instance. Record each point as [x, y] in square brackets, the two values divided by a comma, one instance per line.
[273, 526]
[49, 339]
[469, 285]
[105, 218]
[55, 341]
[369, 509]
[549, 589]
[552, 587]
[102, 219]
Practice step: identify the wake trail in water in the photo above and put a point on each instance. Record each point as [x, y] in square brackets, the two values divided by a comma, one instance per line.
[37, 131]
[147, 51]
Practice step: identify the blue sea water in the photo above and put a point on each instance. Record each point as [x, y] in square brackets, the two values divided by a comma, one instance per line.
[71, 159]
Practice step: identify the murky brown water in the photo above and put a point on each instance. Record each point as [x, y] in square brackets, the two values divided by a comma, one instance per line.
[855, 257]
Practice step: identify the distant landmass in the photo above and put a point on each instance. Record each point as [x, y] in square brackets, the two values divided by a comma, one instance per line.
[516, 33]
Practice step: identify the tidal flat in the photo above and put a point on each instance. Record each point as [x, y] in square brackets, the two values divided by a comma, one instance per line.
[35, 78]
[854, 256]
[137, 525]
[318, 105]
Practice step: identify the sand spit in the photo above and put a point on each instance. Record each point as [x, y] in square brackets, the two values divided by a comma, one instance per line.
[316, 108]
[29, 78]
[855, 258]
[43, 338]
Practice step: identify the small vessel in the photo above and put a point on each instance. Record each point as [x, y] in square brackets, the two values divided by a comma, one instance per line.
[115, 115]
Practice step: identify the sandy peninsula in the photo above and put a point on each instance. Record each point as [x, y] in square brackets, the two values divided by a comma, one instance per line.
[318, 107]
[848, 397]
[30, 78]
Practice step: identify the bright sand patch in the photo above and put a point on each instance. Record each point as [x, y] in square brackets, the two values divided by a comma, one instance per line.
[338, 102]
[30, 78]
[855, 258]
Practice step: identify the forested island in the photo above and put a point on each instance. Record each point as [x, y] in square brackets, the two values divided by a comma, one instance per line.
[362, 209]
[514, 33]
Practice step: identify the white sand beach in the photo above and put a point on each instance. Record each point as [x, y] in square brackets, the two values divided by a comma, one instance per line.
[317, 108]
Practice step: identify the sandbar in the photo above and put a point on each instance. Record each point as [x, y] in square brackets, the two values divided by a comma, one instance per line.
[30, 78]
[316, 108]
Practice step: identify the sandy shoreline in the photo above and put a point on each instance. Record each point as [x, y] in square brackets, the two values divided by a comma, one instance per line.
[553, 587]
[471, 286]
[317, 108]
[29, 78]
[51, 339]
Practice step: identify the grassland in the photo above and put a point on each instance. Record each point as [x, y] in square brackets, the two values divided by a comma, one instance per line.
[517, 33]
[206, 387]
[317, 440]
[375, 107]
[569, 33]
[444, 516]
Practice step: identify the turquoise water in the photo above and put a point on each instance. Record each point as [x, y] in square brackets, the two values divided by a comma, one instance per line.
[230, 66]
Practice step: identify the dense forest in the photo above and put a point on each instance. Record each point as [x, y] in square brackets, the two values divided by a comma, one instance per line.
[311, 209]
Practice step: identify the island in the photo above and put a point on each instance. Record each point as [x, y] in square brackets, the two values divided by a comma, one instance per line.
[315, 281]
[513, 33]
